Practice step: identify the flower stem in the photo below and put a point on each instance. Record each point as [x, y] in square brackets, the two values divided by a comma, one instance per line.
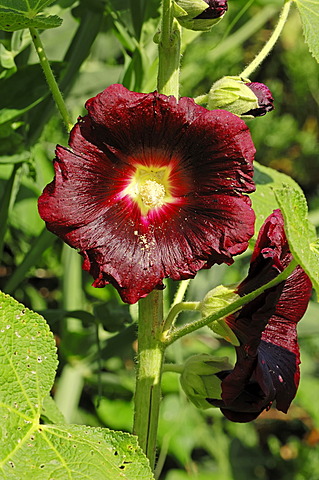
[148, 380]
[175, 310]
[169, 52]
[175, 334]
[50, 78]
[270, 44]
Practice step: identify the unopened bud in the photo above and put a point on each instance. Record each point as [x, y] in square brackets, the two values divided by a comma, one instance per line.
[241, 97]
[199, 15]
[215, 300]
[199, 378]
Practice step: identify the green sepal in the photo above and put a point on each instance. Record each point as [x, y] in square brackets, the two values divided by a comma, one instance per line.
[199, 380]
[231, 94]
[216, 299]
[186, 11]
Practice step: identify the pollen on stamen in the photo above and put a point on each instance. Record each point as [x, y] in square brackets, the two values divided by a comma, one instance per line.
[152, 193]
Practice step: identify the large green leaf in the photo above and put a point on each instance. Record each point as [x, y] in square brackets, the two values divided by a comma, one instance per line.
[12, 21]
[300, 233]
[17, 14]
[309, 13]
[264, 199]
[31, 450]
[29, 7]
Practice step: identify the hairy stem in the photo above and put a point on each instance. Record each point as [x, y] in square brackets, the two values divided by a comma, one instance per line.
[50, 78]
[148, 380]
[169, 52]
[174, 334]
[270, 44]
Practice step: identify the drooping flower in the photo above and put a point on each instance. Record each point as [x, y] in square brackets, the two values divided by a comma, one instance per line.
[267, 367]
[151, 188]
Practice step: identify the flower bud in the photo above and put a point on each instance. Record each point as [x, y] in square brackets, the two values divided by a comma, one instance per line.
[199, 15]
[241, 97]
[264, 97]
[199, 378]
[216, 299]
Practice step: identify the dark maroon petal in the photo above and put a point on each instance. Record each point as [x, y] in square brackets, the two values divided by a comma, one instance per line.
[216, 9]
[267, 367]
[264, 98]
[207, 217]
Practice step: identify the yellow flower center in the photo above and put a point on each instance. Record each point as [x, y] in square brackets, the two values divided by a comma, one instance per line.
[149, 187]
[152, 193]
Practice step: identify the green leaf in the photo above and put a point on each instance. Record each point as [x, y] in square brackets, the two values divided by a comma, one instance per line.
[76, 452]
[309, 13]
[300, 233]
[12, 21]
[30, 7]
[263, 199]
[50, 412]
[43, 452]
[27, 364]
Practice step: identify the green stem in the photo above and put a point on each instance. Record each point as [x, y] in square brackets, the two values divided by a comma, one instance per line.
[175, 334]
[6, 203]
[50, 78]
[169, 52]
[173, 367]
[148, 379]
[270, 44]
[175, 311]
[181, 291]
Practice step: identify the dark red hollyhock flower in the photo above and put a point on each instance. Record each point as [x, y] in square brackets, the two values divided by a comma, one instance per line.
[216, 9]
[151, 188]
[264, 98]
[267, 367]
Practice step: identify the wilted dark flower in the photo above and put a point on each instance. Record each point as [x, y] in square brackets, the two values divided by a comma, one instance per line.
[151, 188]
[267, 367]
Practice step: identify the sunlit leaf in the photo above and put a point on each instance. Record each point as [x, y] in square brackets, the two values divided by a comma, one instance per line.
[12, 21]
[46, 451]
[309, 13]
[300, 233]
[264, 199]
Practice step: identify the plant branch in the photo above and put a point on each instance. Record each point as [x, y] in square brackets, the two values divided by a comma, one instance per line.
[270, 44]
[50, 78]
[169, 52]
[175, 334]
[149, 372]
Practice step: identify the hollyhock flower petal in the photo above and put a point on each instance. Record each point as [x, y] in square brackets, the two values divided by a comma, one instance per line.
[264, 97]
[151, 188]
[267, 367]
[215, 9]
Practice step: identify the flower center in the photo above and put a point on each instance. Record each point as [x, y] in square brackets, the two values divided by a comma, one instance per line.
[152, 193]
[149, 187]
